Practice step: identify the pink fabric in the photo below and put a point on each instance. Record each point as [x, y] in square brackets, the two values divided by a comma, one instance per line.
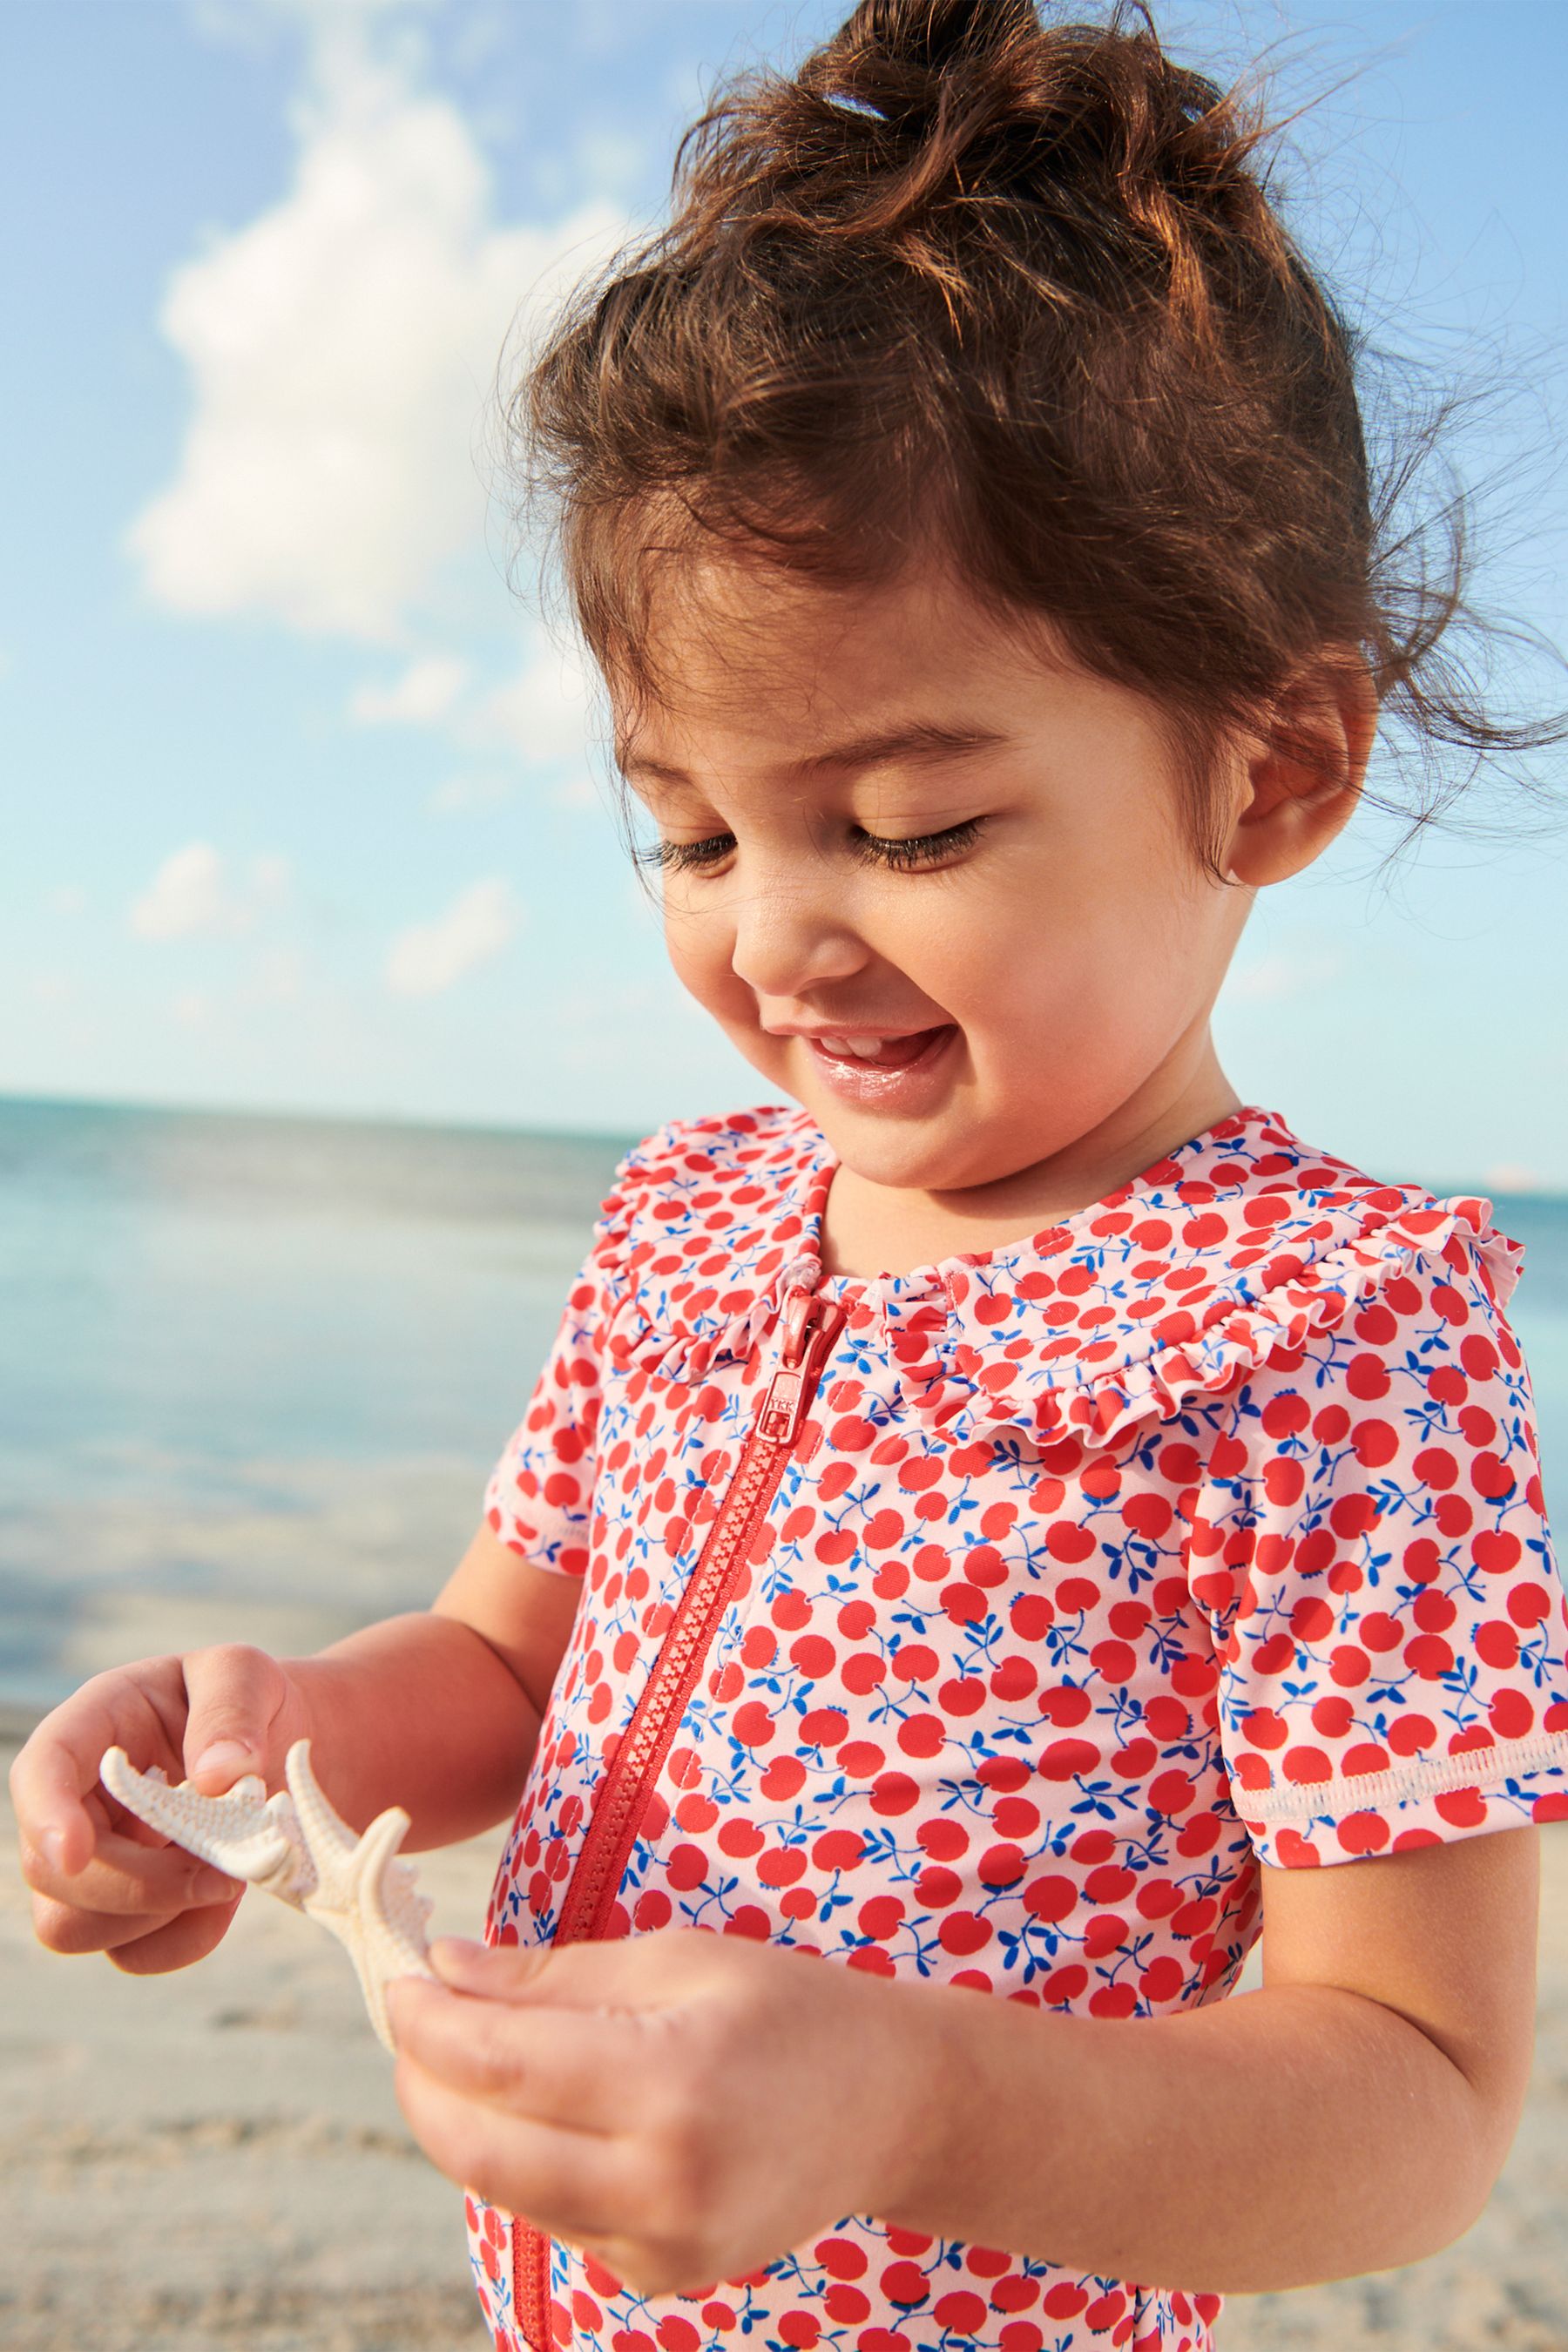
[1201, 1530]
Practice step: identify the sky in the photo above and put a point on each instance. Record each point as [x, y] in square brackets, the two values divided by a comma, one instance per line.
[301, 805]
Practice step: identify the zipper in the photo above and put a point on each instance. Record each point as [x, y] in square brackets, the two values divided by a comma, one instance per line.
[811, 1326]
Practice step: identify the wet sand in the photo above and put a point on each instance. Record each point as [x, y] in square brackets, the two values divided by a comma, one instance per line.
[215, 2158]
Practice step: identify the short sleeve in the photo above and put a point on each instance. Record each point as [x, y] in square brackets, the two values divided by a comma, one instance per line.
[540, 1497]
[1371, 1542]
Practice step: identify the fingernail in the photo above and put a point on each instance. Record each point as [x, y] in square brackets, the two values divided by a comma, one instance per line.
[455, 1954]
[216, 1886]
[224, 1756]
[52, 1846]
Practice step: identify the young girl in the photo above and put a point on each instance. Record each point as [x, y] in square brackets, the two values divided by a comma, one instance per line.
[1005, 1519]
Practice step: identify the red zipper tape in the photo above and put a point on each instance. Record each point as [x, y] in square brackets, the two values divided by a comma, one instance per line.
[811, 1326]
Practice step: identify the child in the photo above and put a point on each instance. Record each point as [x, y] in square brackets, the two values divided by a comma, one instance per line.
[1005, 1518]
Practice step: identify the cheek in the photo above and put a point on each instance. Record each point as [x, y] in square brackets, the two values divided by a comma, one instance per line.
[1110, 958]
[699, 951]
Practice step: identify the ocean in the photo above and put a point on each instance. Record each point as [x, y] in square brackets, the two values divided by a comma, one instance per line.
[254, 1371]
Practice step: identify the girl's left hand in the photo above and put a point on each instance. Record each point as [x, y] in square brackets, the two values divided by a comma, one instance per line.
[684, 2106]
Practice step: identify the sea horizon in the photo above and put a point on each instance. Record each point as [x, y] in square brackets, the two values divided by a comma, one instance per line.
[256, 1365]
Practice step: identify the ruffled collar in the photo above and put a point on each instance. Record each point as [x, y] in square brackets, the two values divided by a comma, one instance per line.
[1236, 1243]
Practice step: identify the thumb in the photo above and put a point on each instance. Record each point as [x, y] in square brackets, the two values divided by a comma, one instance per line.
[232, 1695]
[495, 1972]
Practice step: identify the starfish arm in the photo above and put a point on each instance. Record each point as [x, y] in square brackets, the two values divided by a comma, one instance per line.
[238, 1833]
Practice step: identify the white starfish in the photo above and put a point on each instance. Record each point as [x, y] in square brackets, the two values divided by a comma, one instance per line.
[297, 1847]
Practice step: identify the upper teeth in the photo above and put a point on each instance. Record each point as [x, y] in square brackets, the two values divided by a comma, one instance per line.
[863, 1046]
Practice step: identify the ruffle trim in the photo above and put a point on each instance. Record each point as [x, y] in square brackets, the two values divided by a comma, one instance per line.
[954, 1379]
[1206, 1355]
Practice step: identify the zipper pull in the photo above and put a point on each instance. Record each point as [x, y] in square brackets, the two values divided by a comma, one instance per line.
[808, 1331]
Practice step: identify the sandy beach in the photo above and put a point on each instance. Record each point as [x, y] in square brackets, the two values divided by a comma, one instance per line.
[215, 2159]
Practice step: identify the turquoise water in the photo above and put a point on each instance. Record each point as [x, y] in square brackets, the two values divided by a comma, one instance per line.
[254, 1371]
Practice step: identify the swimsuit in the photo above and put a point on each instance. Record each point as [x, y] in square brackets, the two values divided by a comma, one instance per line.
[1200, 1530]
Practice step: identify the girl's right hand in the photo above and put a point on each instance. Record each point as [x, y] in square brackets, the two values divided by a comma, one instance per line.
[101, 1880]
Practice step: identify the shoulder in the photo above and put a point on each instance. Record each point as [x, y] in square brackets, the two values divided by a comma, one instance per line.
[1270, 1237]
[1263, 1213]
[732, 1180]
[1217, 1265]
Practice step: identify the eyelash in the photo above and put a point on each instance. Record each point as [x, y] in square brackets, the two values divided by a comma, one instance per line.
[908, 855]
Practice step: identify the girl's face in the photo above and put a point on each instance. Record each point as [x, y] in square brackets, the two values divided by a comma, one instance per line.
[933, 887]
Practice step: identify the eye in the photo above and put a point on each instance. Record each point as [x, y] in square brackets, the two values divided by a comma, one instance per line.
[908, 852]
[919, 848]
[686, 856]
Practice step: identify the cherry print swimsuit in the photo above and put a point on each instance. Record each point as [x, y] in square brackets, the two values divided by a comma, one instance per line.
[1077, 1579]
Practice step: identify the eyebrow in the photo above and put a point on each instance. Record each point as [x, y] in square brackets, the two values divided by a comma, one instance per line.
[923, 740]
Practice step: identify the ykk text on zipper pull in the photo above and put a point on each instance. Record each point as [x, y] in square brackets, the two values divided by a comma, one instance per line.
[778, 1416]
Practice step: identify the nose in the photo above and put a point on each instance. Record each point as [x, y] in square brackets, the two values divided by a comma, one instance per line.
[792, 937]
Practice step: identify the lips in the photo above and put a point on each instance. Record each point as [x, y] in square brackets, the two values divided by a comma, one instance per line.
[889, 1053]
[906, 1076]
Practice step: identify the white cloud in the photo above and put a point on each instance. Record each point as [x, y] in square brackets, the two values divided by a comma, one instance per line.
[341, 347]
[424, 693]
[545, 713]
[549, 711]
[188, 896]
[192, 896]
[430, 958]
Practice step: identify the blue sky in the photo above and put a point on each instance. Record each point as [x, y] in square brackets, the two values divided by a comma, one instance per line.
[301, 807]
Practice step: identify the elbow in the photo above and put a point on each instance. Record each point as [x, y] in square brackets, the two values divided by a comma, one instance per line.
[1478, 2149]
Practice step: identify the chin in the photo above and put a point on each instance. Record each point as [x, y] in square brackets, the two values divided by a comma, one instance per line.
[904, 1155]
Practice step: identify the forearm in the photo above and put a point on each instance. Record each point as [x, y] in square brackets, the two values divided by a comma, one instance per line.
[418, 1711]
[1281, 2138]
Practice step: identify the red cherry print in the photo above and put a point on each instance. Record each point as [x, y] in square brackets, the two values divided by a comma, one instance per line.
[1429, 1656]
[944, 1647]
[894, 1792]
[1495, 1552]
[904, 2283]
[1068, 1759]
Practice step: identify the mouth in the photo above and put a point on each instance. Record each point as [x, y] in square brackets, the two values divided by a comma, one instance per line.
[881, 1071]
[875, 1053]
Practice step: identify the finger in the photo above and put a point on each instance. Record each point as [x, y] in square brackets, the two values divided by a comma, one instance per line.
[124, 1878]
[61, 1927]
[630, 1972]
[569, 2067]
[234, 1693]
[57, 1769]
[573, 2184]
[176, 1943]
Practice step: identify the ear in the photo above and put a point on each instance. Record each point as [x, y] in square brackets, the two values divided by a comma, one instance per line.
[1303, 768]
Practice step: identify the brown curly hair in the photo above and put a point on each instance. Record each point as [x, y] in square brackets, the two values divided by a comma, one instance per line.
[1014, 291]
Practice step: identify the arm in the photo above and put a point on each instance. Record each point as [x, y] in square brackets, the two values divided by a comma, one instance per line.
[439, 1710]
[1350, 2116]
